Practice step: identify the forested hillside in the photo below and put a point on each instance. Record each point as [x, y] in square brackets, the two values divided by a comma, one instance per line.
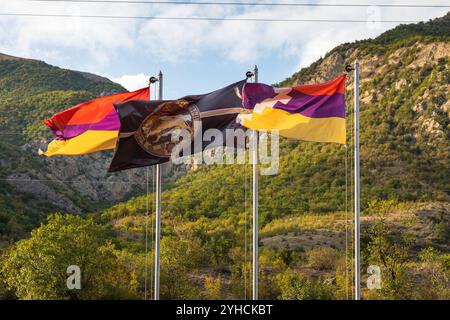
[32, 186]
[305, 210]
[405, 136]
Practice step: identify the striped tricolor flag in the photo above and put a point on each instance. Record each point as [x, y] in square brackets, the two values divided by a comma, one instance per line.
[305, 112]
[90, 126]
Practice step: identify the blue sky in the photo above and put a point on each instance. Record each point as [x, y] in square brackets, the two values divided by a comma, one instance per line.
[195, 56]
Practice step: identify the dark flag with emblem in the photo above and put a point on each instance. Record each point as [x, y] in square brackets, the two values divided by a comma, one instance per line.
[149, 129]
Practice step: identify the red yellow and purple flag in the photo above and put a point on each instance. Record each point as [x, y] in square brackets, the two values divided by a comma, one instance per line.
[90, 126]
[305, 112]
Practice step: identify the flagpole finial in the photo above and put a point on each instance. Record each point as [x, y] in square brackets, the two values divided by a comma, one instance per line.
[153, 80]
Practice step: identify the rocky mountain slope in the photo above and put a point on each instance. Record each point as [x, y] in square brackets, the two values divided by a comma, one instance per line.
[405, 134]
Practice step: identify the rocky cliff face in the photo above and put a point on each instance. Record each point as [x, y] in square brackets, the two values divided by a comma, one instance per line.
[72, 183]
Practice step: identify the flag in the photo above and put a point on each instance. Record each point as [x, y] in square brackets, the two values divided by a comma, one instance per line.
[88, 127]
[305, 112]
[147, 127]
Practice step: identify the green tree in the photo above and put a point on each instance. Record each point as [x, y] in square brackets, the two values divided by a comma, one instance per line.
[391, 252]
[179, 258]
[36, 268]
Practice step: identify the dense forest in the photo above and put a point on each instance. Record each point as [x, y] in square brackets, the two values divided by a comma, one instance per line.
[305, 210]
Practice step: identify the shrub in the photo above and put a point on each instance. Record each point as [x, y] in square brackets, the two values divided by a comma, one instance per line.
[381, 207]
[295, 286]
[442, 231]
[179, 257]
[213, 287]
[323, 258]
[391, 252]
[36, 268]
[435, 274]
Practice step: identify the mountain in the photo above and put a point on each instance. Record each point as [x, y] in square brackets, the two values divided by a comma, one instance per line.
[306, 208]
[33, 186]
[404, 128]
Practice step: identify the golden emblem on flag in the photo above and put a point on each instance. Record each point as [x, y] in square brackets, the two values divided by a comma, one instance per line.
[162, 130]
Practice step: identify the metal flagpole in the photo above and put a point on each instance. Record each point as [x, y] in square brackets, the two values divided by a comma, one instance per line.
[255, 205]
[158, 207]
[357, 186]
[150, 82]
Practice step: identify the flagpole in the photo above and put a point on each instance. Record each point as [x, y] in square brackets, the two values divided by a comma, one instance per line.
[357, 186]
[158, 208]
[151, 81]
[255, 205]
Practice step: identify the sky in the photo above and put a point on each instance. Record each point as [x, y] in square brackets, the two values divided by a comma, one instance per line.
[195, 56]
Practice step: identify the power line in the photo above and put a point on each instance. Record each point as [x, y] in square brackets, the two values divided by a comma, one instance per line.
[270, 4]
[201, 18]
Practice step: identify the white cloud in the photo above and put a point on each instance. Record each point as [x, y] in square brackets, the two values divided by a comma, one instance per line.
[52, 38]
[93, 44]
[133, 82]
[243, 42]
